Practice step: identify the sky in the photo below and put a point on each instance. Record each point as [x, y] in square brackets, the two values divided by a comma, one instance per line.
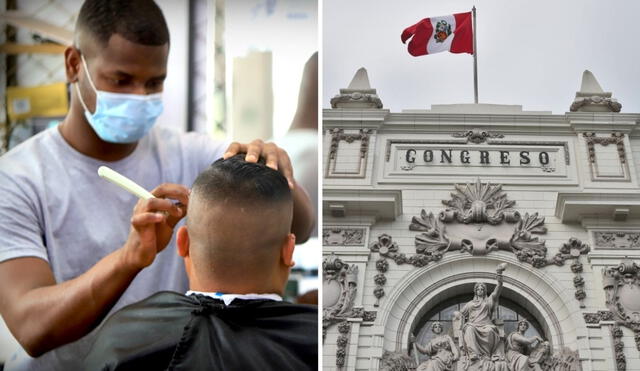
[530, 53]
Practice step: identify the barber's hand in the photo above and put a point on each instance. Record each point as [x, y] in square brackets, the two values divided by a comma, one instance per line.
[152, 224]
[275, 157]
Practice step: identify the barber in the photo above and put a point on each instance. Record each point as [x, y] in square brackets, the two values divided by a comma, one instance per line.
[67, 254]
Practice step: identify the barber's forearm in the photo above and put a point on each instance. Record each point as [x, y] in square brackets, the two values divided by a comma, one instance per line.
[304, 217]
[51, 316]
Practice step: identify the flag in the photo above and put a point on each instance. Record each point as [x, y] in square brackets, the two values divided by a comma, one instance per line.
[450, 33]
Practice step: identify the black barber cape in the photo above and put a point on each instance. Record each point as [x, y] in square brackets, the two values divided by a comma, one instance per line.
[170, 331]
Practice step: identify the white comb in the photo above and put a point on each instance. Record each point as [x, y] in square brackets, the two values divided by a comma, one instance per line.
[124, 182]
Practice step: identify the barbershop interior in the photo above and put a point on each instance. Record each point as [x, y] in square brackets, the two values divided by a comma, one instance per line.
[237, 71]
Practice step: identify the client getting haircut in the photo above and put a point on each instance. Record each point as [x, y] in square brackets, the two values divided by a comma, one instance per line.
[239, 218]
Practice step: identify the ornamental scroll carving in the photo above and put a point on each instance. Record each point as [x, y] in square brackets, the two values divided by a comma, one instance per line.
[622, 290]
[476, 135]
[343, 236]
[479, 219]
[339, 285]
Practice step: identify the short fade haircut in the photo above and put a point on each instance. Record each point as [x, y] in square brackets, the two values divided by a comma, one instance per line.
[242, 182]
[139, 21]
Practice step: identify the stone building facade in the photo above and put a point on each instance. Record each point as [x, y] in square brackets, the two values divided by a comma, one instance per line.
[421, 206]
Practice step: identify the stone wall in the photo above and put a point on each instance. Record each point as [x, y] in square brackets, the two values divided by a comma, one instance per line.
[548, 292]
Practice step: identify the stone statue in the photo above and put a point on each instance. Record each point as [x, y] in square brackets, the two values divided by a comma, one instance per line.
[521, 354]
[481, 341]
[441, 349]
[480, 335]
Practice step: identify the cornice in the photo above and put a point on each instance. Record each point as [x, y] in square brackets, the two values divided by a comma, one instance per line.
[569, 123]
[576, 206]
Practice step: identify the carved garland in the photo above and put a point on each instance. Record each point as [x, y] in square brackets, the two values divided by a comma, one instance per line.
[611, 103]
[573, 250]
[615, 138]
[343, 236]
[344, 329]
[484, 205]
[476, 136]
[599, 316]
[618, 346]
[337, 134]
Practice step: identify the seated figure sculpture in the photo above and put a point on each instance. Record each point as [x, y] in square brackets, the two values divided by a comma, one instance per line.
[237, 250]
[522, 355]
[441, 349]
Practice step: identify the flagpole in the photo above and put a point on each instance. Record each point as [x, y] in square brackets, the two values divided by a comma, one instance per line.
[475, 59]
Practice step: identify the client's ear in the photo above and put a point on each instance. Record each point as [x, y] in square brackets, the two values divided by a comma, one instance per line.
[288, 246]
[182, 241]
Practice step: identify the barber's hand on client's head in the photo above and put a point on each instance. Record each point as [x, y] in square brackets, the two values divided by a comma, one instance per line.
[152, 223]
[275, 157]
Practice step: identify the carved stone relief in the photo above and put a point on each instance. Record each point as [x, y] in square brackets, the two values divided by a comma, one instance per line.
[338, 135]
[476, 135]
[611, 103]
[478, 342]
[563, 360]
[622, 289]
[343, 236]
[478, 216]
[369, 100]
[596, 318]
[389, 249]
[479, 219]
[617, 240]
[396, 361]
[573, 250]
[618, 347]
[339, 287]
[344, 329]
[359, 94]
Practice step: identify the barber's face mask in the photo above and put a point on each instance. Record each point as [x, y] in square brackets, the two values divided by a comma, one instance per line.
[121, 118]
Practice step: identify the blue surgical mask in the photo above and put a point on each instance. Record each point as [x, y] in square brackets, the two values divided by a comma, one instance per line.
[121, 118]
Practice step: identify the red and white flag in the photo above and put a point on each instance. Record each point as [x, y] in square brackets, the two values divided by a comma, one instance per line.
[450, 33]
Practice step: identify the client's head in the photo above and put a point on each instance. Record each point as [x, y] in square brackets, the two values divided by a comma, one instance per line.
[237, 237]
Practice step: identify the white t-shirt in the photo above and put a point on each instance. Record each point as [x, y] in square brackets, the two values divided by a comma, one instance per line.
[54, 206]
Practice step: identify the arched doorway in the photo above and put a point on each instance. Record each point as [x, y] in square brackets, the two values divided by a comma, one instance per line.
[420, 291]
